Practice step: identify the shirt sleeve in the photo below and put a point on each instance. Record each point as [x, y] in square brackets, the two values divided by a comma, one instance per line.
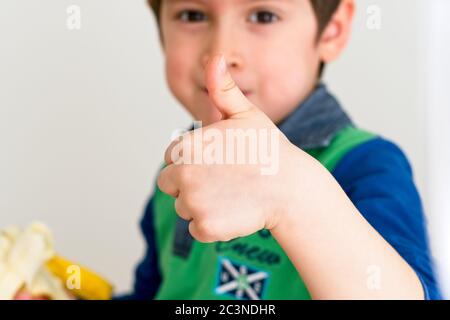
[378, 179]
[147, 275]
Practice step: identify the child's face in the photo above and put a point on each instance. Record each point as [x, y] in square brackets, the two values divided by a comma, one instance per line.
[270, 46]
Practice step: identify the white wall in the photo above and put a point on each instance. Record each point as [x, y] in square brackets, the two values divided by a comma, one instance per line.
[437, 103]
[85, 115]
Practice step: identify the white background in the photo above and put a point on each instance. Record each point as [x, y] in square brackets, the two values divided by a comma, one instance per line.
[86, 115]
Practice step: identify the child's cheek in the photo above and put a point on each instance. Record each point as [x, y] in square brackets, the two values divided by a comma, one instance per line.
[177, 76]
[174, 66]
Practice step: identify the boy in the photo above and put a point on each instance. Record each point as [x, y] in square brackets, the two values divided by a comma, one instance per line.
[216, 231]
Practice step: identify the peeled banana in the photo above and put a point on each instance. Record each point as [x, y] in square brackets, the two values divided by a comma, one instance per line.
[29, 262]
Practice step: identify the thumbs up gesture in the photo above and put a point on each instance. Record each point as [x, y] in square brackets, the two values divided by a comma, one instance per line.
[236, 176]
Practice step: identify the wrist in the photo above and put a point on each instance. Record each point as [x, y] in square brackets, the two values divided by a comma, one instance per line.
[297, 177]
[310, 190]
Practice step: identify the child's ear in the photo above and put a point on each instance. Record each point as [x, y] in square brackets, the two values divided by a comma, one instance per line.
[336, 34]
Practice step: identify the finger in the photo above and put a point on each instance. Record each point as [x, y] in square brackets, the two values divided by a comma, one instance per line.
[222, 89]
[198, 234]
[166, 181]
[181, 208]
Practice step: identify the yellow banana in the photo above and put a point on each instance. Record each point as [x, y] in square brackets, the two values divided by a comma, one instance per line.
[79, 280]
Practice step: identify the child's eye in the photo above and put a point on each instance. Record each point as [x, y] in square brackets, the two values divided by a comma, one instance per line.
[263, 17]
[191, 16]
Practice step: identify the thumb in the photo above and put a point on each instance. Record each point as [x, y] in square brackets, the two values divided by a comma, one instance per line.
[222, 89]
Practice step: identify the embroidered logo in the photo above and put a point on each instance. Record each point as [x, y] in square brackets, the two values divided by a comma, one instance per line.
[240, 281]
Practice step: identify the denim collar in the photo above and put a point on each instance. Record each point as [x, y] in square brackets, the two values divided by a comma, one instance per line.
[315, 122]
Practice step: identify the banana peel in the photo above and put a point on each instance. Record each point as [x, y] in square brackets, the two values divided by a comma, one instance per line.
[29, 262]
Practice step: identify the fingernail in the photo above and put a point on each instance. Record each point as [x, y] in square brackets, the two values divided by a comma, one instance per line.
[222, 65]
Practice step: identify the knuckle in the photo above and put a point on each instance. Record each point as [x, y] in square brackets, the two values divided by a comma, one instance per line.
[190, 204]
[209, 230]
[179, 208]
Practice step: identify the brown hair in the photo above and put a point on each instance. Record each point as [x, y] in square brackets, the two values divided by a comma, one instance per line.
[323, 9]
